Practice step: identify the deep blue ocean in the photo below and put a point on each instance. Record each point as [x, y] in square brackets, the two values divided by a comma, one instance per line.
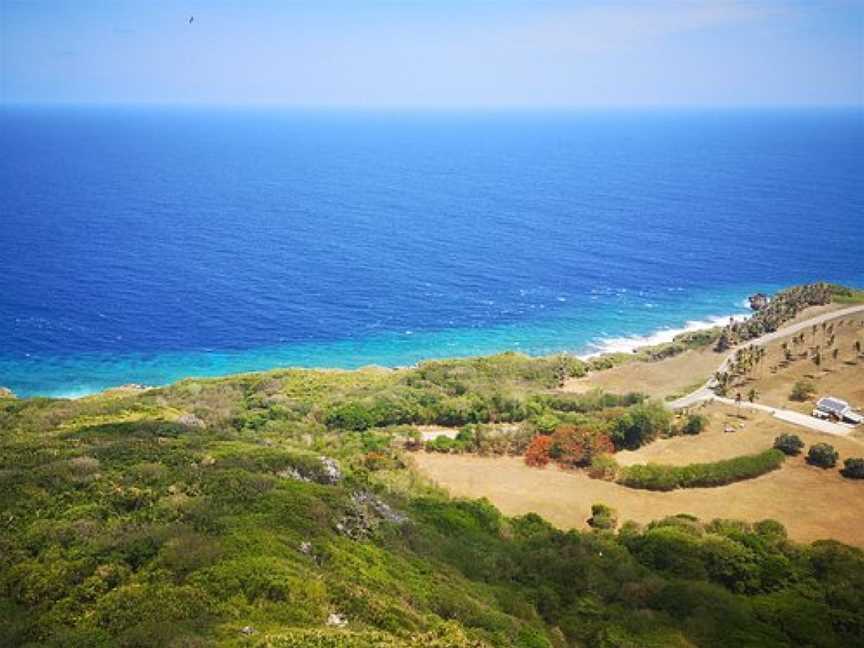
[150, 244]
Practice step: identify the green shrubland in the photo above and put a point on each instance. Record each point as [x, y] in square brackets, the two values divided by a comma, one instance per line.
[280, 509]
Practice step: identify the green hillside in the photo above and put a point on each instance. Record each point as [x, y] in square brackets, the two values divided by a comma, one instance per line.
[280, 509]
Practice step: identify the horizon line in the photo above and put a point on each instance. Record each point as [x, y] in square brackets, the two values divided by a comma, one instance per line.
[432, 107]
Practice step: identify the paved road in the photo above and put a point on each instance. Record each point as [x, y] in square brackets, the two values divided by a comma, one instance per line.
[796, 418]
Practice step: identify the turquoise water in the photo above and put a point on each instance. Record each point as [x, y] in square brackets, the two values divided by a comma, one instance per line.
[147, 245]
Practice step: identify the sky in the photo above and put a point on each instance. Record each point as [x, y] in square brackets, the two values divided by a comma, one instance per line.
[434, 53]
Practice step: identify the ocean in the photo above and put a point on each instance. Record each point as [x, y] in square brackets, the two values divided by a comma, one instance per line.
[148, 244]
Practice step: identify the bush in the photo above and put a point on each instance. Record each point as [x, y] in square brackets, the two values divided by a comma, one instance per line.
[719, 473]
[791, 444]
[603, 517]
[823, 455]
[351, 416]
[802, 390]
[640, 425]
[603, 466]
[853, 468]
[694, 424]
[546, 423]
[577, 446]
[537, 454]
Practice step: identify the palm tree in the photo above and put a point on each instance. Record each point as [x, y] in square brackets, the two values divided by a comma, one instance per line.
[817, 357]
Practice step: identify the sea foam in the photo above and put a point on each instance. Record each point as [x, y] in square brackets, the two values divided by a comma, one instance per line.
[629, 344]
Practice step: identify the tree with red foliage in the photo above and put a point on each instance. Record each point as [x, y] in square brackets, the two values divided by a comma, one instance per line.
[537, 453]
[576, 446]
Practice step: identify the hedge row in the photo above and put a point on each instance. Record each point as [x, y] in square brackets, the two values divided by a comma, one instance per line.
[718, 473]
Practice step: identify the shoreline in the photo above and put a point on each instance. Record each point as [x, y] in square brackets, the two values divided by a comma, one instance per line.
[613, 346]
[636, 343]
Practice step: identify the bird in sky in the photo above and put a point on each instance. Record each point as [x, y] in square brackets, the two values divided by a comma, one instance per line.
[191, 19]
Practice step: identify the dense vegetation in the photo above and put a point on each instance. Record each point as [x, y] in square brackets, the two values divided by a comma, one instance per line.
[823, 455]
[280, 509]
[790, 444]
[123, 525]
[717, 473]
[784, 306]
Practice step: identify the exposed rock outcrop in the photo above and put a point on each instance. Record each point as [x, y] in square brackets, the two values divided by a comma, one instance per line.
[758, 301]
[331, 473]
[190, 420]
[364, 515]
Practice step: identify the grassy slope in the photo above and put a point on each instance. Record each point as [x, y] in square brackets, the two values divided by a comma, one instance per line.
[121, 526]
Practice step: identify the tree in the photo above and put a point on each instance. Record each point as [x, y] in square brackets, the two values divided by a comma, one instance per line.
[817, 357]
[603, 517]
[576, 446]
[790, 444]
[722, 379]
[752, 395]
[694, 424]
[823, 455]
[802, 390]
[351, 416]
[537, 453]
[641, 425]
[853, 468]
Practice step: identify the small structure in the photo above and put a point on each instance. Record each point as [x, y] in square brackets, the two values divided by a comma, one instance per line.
[835, 409]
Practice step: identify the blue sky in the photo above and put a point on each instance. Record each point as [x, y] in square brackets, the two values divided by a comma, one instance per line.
[434, 53]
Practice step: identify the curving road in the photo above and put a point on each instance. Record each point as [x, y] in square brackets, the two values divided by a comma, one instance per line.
[796, 418]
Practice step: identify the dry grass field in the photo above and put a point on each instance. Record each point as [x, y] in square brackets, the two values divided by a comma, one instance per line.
[842, 377]
[679, 374]
[754, 432]
[676, 375]
[812, 503]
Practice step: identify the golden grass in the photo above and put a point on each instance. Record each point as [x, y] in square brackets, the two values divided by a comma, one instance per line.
[656, 379]
[843, 377]
[812, 503]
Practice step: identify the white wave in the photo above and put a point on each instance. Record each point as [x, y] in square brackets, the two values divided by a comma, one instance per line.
[628, 344]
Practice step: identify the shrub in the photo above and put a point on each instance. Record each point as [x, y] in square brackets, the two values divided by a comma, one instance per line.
[640, 425]
[694, 424]
[802, 390]
[791, 444]
[537, 454]
[603, 517]
[351, 416]
[719, 473]
[603, 466]
[823, 455]
[444, 444]
[546, 423]
[577, 446]
[853, 468]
